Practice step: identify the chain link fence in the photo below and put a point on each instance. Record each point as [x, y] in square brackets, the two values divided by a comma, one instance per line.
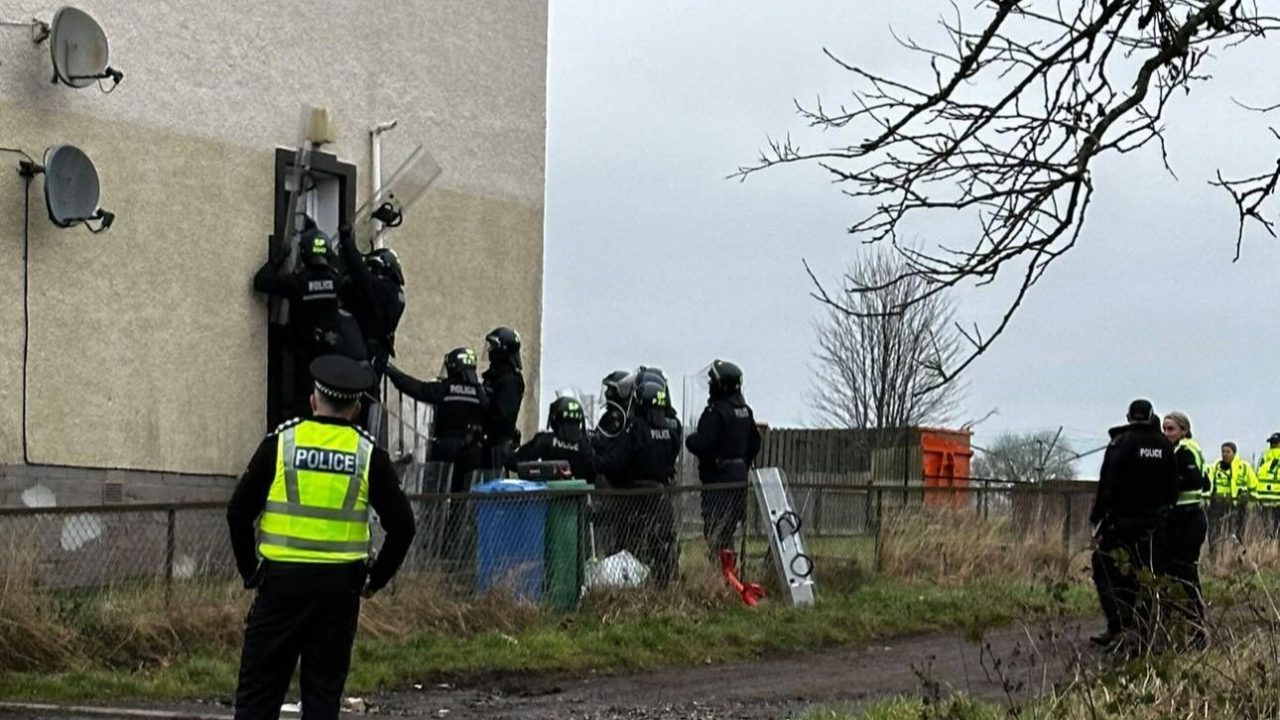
[550, 546]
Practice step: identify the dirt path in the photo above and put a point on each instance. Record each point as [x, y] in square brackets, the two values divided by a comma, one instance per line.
[768, 688]
[776, 688]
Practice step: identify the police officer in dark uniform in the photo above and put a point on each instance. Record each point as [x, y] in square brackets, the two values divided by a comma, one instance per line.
[615, 388]
[647, 458]
[504, 382]
[1136, 488]
[1187, 525]
[460, 403]
[611, 510]
[310, 487]
[725, 443]
[317, 323]
[374, 294]
[565, 439]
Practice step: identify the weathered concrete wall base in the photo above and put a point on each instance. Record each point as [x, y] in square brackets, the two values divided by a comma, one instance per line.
[23, 485]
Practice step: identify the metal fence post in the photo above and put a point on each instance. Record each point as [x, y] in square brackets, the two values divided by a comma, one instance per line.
[1066, 521]
[879, 549]
[170, 543]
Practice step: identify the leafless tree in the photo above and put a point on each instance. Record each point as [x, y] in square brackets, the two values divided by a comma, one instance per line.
[879, 355]
[1026, 457]
[1026, 97]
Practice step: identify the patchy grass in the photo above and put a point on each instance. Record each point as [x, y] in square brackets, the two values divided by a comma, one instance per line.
[598, 638]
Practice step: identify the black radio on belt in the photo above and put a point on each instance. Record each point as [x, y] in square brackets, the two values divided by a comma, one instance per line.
[544, 470]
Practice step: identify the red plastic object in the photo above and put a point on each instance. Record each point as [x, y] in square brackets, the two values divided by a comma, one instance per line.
[750, 592]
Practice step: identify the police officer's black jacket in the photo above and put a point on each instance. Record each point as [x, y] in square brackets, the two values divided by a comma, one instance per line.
[312, 292]
[505, 387]
[1191, 478]
[385, 497]
[1139, 477]
[612, 421]
[377, 303]
[546, 446]
[646, 453]
[726, 441]
[460, 405]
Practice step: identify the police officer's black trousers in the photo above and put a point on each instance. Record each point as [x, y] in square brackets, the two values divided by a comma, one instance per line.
[722, 513]
[1118, 562]
[1184, 534]
[1226, 519]
[304, 612]
[651, 533]
[464, 455]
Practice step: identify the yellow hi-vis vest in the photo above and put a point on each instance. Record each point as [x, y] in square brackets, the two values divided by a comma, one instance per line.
[1230, 483]
[318, 506]
[1192, 497]
[1267, 488]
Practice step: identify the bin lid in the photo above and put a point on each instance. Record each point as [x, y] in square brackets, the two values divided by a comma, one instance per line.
[572, 484]
[508, 486]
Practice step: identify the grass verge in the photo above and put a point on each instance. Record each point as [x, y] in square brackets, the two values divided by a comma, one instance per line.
[598, 638]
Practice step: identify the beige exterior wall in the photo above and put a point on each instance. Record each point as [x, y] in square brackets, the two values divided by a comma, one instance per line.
[147, 346]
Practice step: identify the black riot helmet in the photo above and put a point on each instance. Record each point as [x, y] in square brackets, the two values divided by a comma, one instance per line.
[460, 365]
[314, 246]
[654, 402]
[566, 419]
[615, 388]
[651, 375]
[725, 377]
[504, 344]
[384, 263]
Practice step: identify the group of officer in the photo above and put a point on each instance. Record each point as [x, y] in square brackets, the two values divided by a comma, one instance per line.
[340, 302]
[299, 517]
[1149, 514]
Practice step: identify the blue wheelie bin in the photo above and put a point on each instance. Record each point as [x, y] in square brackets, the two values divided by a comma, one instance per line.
[510, 538]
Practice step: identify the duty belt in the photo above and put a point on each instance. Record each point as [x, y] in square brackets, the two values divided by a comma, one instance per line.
[1189, 497]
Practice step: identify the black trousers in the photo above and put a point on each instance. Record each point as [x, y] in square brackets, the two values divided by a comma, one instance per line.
[722, 512]
[304, 612]
[650, 533]
[1121, 556]
[1184, 534]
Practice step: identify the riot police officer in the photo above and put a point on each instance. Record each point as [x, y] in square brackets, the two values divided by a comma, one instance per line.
[309, 489]
[460, 403]
[615, 389]
[725, 443]
[317, 324]
[374, 295]
[647, 458]
[565, 439]
[1136, 487]
[504, 383]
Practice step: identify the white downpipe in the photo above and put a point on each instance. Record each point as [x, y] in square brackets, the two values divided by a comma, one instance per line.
[375, 152]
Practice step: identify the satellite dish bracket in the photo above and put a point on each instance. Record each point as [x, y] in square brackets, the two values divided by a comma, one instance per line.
[39, 28]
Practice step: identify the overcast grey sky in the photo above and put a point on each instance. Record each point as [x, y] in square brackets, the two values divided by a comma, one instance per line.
[653, 257]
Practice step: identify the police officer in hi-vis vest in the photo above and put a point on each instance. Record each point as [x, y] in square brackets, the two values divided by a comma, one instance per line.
[310, 487]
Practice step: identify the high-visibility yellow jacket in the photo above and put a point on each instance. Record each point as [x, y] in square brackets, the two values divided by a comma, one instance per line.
[318, 506]
[1266, 488]
[1191, 495]
[1232, 482]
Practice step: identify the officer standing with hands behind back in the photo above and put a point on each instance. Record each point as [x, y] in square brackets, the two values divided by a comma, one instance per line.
[310, 487]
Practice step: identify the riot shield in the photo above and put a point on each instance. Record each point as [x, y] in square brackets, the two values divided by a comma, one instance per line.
[384, 212]
[309, 121]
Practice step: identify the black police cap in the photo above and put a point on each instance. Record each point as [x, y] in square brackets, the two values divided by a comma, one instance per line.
[1140, 410]
[342, 378]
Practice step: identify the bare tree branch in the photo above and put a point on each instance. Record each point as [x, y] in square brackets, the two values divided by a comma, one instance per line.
[1007, 134]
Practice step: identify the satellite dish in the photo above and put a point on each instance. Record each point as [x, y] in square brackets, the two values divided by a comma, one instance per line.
[79, 49]
[71, 188]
